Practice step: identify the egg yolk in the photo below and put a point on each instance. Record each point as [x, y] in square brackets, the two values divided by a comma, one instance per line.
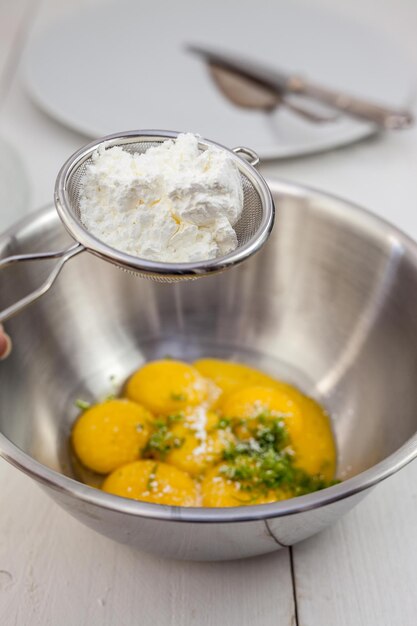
[196, 454]
[167, 386]
[230, 376]
[152, 481]
[249, 404]
[111, 434]
[219, 491]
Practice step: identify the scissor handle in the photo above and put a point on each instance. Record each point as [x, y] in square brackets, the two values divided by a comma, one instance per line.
[384, 117]
[63, 255]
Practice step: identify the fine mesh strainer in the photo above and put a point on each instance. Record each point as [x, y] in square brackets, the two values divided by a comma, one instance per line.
[252, 229]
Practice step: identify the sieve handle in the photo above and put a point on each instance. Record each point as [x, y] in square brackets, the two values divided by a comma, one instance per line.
[62, 255]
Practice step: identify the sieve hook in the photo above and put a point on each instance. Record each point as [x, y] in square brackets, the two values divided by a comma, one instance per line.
[250, 155]
[63, 255]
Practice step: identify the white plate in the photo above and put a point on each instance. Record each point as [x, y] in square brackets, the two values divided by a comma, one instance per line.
[123, 66]
[14, 190]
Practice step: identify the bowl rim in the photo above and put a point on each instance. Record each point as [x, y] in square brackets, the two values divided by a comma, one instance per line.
[361, 218]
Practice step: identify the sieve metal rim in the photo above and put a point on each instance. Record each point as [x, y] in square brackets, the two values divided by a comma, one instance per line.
[144, 266]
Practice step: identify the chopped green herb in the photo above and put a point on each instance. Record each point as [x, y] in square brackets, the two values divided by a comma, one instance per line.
[223, 423]
[162, 441]
[176, 417]
[179, 397]
[82, 404]
[114, 386]
[152, 477]
[265, 462]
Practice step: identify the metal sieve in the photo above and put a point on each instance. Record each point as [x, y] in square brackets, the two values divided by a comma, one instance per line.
[252, 229]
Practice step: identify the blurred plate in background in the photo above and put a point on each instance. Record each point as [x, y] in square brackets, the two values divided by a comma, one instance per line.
[122, 66]
[14, 189]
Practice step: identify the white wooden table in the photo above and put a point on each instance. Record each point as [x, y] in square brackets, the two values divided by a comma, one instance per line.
[361, 572]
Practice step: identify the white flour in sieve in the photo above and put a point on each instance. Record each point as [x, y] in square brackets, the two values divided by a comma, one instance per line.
[172, 203]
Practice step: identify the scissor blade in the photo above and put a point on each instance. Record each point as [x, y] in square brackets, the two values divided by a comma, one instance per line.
[275, 80]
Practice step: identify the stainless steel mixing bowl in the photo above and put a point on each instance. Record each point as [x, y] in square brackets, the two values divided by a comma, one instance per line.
[330, 303]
